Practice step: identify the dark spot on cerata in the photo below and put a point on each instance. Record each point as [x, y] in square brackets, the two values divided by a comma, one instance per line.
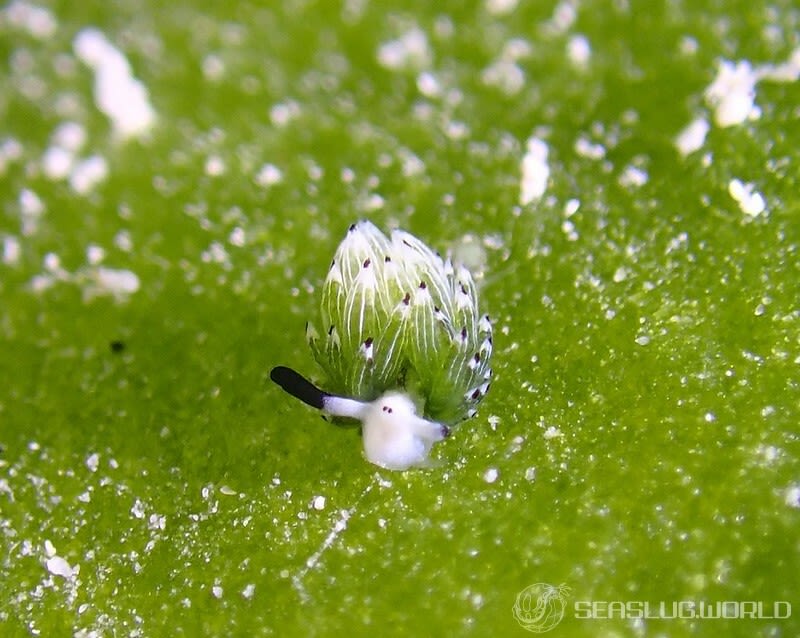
[367, 262]
[422, 285]
[477, 393]
[331, 329]
[352, 228]
[368, 342]
[407, 298]
[387, 259]
[464, 333]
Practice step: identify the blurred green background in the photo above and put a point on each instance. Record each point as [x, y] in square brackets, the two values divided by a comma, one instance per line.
[640, 441]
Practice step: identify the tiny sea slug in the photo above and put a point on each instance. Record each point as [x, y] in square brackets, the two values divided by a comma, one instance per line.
[400, 336]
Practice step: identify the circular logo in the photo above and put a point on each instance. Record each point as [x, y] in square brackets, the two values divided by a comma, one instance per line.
[540, 607]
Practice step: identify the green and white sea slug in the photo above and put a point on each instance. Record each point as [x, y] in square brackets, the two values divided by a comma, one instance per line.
[400, 335]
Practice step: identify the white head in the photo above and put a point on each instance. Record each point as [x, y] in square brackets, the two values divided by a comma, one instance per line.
[394, 436]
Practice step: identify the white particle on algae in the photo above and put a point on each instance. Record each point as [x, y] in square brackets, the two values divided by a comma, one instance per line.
[95, 254]
[37, 21]
[30, 205]
[318, 503]
[579, 51]
[585, 148]
[268, 175]
[571, 207]
[49, 548]
[237, 237]
[137, 509]
[57, 162]
[535, 171]
[215, 166]
[117, 282]
[70, 136]
[410, 50]
[552, 432]
[88, 173]
[633, 176]
[93, 461]
[732, 93]
[642, 340]
[156, 522]
[217, 591]
[282, 113]
[530, 474]
[692, 138]
[750, 201]
[429, 85]
[490, 475]
[227, 490]
[505, 75]
[59, 567]
[792, 496]
[494, 421]
[11, 250]
[117, 94]
[501, 7]
[249, 591]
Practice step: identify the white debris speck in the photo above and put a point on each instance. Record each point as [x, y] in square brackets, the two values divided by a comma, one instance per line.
[792, 496]
[579, 51]
[505, 75]
[490, 475]
[123, 241]
[642, 340]
[248, 591]
[11, 250]
[732, 93]
[501, 7]
[57, 162]
[117, 94]
[213, 67]
[552, 432]
[564, 15]
[117, 282]
[30, 204]
[137, 509]
[95, 254]
[571, 207]
[268, 175]
[215, 166]
[88, 173]
[568, 228]
[410, 50]
[237, 237]
[49, 548]
[692, 138]
[750, 201]
[10, 151]
[620, 275]
[709, 417]
[37, 21]
[429, 85]
[227, 490]
[59, 567]
[156, 522]
[70, 136]
[318, 503]
[530, 474]
[282, 113]
[494, 421]
[585, 148]
[92, 462]
[217, 591]
[633, 176]
[535, 171]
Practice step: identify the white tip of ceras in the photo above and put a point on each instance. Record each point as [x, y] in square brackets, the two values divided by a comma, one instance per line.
[394, 436]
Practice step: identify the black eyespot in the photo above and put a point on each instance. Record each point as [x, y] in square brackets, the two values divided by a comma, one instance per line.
[387, 409]
[387, 259]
